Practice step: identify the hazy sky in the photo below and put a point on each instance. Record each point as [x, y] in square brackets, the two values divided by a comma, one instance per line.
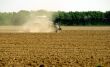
[54, 5]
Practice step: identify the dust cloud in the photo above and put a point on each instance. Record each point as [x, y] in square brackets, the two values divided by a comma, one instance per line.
[38, 24]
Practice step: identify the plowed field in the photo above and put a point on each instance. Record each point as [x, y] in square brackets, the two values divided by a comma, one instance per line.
[69, 48]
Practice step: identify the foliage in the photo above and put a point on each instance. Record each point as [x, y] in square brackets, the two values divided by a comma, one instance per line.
[13, 18]
[65, 18]
[83, 18]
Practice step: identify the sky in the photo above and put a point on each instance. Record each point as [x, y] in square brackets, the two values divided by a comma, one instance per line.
[54, 5]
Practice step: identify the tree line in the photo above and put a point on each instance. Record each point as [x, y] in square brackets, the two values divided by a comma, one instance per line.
[13, 18]
[88, 18]
[21, 17]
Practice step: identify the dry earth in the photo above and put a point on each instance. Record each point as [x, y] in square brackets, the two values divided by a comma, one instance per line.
[19, 28]
[69, 48]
